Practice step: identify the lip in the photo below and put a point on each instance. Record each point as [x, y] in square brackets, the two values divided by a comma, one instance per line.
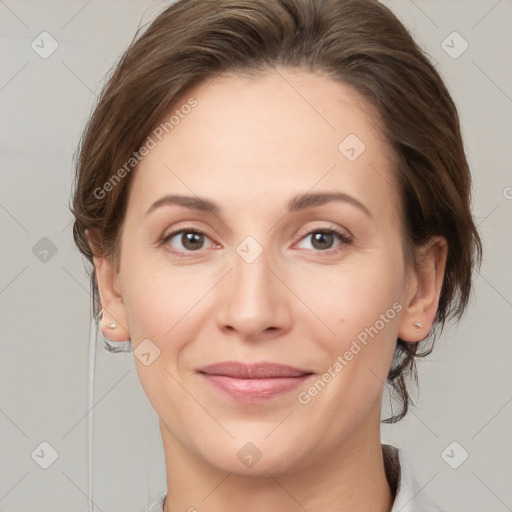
[253, 383]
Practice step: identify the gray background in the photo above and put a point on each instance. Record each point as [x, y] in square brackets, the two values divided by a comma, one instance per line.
[465, 385]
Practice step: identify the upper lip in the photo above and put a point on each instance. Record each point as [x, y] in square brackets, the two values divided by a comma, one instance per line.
[264, 370]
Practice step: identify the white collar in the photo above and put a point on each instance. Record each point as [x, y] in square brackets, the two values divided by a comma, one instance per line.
[409, 496]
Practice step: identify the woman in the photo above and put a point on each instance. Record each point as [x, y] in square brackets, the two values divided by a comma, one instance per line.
[275, 198]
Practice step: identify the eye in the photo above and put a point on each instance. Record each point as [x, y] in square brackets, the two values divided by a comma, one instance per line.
[186, 240]
[322, 240]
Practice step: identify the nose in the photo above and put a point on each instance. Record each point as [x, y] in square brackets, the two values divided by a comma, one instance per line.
[253, 300]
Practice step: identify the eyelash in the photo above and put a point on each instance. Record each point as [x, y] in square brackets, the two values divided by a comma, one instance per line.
[344, 239]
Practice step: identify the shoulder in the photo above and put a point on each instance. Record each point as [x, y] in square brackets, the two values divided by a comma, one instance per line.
[158, 505]
[409, 496]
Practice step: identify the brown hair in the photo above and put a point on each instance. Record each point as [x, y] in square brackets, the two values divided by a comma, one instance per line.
[358, 42]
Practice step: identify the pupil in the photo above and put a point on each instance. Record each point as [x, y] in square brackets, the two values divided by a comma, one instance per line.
[191, 240]
[194, 240]
[321, 238]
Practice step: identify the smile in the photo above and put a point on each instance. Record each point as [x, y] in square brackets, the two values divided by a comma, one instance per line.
[253, 383]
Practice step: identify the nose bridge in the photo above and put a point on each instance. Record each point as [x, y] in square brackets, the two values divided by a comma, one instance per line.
[253, 286]
[252, 299]
[251, 272]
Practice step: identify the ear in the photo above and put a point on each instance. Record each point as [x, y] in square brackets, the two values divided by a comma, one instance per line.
[111, 301]
[424, 290]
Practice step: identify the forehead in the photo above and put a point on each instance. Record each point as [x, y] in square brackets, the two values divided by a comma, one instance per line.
[262, 139]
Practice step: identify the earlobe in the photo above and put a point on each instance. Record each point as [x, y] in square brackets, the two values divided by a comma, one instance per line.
[113, 319]
[422, 298]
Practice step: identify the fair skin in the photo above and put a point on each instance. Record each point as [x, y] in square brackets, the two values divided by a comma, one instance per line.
[250, 146]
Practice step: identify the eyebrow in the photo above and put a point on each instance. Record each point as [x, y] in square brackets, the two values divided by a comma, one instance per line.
[297, 203]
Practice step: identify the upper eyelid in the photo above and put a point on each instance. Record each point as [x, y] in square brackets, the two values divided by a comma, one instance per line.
[332, 227]
[302, 234]
[191, 229]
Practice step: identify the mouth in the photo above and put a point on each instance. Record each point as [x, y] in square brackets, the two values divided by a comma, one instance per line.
[253, 383]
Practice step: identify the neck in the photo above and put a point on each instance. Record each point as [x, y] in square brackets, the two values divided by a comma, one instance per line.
[351, 477]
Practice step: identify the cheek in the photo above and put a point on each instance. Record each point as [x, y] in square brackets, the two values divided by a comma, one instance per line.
[155, 294]
[156, 301]
[345, 298]
[361, 305]
[159, 305]
[354, 296]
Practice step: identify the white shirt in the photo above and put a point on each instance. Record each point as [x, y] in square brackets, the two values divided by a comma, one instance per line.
[408, 498]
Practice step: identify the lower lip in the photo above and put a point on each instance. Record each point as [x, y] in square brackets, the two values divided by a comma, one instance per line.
[255, 390]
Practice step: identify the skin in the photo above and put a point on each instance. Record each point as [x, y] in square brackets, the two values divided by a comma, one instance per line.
[251, 145]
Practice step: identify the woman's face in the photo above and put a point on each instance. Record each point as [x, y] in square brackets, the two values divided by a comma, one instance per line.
[263, 268]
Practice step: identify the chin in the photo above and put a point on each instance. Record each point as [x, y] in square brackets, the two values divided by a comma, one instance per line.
[259, 458]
